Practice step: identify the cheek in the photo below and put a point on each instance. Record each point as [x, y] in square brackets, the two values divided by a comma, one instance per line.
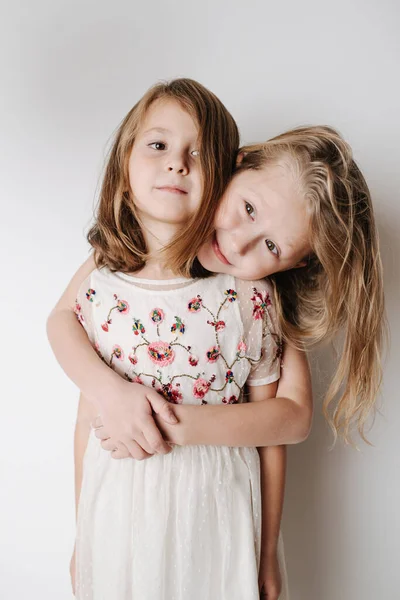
[258, 267]
[226, 218]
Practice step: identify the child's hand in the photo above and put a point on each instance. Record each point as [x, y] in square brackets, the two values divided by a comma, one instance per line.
[126, 423]
[72, 572]
[269, 578]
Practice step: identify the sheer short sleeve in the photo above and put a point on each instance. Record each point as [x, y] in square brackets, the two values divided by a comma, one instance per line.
[84, 304]
[260, 330]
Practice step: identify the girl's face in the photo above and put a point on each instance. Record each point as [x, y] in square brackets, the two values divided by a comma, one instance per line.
[261, 226]
[164, 167]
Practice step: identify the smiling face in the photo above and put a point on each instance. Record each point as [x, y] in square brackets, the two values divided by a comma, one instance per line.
[261, 226]
[164, 167]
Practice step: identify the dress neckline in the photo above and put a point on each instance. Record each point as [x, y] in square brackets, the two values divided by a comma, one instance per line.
[143, 280]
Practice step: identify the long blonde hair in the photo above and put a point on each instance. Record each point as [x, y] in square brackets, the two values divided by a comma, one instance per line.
[341, 287]
[116, 235]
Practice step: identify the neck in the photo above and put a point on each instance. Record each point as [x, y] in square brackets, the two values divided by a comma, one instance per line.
[157, 237]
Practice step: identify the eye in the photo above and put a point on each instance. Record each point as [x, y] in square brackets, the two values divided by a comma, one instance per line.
[271, 247]
[249, 208]
[158, 146]
[195, 152]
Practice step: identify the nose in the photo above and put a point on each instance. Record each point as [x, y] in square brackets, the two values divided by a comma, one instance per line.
[240, 242]
[177, 164]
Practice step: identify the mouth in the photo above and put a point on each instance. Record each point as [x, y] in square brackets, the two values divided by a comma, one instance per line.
[218, 252]
[172, 189]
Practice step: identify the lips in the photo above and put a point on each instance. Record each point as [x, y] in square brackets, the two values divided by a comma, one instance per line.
[172, 189]
[218, 252]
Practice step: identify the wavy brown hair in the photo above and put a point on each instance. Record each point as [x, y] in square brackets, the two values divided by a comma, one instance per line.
[341, 287]
[116, 235]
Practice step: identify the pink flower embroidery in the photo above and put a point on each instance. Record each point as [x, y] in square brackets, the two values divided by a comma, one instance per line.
[157, 315]
[104, 326]
[194, 305]
[118, 352]
[213, 354]
[123, 307]
[261, 301]
[172, 393]
[161, 353]
[232, 400]
[133, 358]
[77, 311]
[193, 360]
[219, 325]
[137, 380]
[200, 387]
[242, 347]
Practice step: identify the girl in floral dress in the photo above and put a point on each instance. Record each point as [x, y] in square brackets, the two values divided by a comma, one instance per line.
[298, 200]
[186, 524]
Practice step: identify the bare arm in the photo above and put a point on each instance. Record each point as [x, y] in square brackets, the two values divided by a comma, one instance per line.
[273, 473]
[285, 419]
[72, 346]
[125, 408]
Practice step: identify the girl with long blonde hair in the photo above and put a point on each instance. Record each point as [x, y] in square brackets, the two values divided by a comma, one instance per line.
[298, 210]
[203, 520]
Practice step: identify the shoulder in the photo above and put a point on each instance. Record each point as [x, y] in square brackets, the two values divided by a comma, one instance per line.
[101, 277]
[255, 290]
[256, 300]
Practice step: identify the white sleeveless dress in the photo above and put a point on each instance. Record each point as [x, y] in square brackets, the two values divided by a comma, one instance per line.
[187, 525]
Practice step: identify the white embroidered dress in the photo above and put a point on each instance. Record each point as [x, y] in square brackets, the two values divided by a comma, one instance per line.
[187, 525]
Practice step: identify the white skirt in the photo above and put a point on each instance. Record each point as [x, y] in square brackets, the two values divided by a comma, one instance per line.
[181, 526]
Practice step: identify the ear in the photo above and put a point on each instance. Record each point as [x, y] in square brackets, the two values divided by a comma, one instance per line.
[239, 158]
[301, 263]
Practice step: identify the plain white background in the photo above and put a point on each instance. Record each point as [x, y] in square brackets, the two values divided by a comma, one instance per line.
[69, 72]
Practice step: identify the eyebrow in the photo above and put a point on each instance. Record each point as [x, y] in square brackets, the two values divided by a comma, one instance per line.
[157, 129]
[289, 244]
[255, 194]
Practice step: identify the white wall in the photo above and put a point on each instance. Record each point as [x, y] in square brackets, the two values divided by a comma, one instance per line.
[69, 72]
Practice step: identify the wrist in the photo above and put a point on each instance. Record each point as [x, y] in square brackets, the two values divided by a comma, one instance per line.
[270, 550]
[179, 431]
[106, 388]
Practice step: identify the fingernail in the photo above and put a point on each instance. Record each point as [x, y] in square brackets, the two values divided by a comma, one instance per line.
[173, 419]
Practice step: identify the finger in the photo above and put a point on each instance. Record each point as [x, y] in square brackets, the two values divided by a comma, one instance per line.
[120, 452]
[97, 422]
[162, 407]
[108, 445]
[135, 450]
[143, 443]
[101, 433]
[155, 440]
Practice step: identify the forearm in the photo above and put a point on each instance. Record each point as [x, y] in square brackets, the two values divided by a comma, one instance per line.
[273, 473]
[270, 422]
[78, 358]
